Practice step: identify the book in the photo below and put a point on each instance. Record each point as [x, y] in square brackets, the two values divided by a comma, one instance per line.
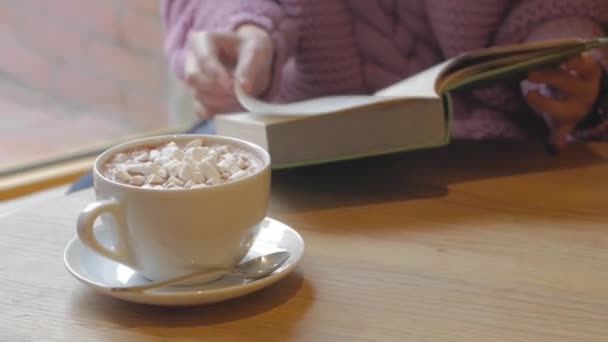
[412, 114]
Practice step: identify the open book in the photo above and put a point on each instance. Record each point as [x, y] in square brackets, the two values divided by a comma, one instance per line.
[412, 114]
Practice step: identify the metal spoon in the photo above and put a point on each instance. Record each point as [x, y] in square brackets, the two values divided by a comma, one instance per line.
[255, 268]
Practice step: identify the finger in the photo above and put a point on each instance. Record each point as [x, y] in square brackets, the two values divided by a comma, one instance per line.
[205, 111]
[201, 111]
[217, 103]
[254, 61]
[559, 79]
[548, 105]
[574, 64]
[205, 46]
[213, 100]
[192, 73]
[211, 111]
[560, 135]
[585, 66]
[243, 73]
[201, 83]
[590, 72]
[212, 89]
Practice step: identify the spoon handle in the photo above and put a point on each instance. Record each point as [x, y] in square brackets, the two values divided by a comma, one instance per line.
[163, 283]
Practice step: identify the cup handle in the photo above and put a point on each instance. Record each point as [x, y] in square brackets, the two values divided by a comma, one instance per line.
[84, 226]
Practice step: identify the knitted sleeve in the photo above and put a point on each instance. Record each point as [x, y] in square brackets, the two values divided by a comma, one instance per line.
[180, 17]
[327, 60]
[551, 19]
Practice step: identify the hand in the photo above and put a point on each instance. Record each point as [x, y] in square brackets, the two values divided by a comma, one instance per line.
[215, 60]
[574, 86]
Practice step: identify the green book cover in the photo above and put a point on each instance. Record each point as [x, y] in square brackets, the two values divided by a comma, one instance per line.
[530, 60]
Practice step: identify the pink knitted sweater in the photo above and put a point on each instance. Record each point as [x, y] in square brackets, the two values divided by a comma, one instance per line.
[359, 46]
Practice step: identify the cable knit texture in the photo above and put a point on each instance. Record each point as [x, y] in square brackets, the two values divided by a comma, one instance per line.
[359, 46]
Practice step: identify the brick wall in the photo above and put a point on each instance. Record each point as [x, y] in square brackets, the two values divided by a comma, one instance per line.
[97, 54]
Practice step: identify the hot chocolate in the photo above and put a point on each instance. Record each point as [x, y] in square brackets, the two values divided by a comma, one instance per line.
[180, 165]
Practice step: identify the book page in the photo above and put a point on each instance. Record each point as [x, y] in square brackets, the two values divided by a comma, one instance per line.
[317, 106]
[421, 84]
[464, 69]
[456, 75]
[480, 56]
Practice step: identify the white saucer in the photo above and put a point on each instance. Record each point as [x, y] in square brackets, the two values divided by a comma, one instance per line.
[99, 272]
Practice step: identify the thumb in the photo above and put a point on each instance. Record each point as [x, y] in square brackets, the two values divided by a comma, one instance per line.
[244, 72]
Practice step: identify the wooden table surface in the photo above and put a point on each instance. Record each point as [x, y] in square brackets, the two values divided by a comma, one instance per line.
[474, 242]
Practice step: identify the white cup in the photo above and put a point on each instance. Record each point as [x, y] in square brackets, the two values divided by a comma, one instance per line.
[163, 233]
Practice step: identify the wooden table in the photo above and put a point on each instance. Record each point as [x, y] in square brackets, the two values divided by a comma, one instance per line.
[475, 242]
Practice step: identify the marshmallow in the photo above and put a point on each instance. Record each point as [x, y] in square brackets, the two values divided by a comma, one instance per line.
[170, 163]
[121, 176]
[175, 182]
[162, 173]
[137, 180]
[120, 158]
[197, 153]
[155, 154]
[214, 154]
[143, 168]
[242, 163]
[154, 179]
[234, 169]
[177, 154]
[185, 172]
[174, 168]
[161, 160]
[143, 157]
[228, 161]
[207, 169]
[173, 152]
[198, 177]
[195, 143]
[211, 160]
[213, 181]
[171, 166]
[238, 175]
[190, 162]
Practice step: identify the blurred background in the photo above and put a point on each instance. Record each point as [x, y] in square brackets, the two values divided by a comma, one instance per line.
[75, 74]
